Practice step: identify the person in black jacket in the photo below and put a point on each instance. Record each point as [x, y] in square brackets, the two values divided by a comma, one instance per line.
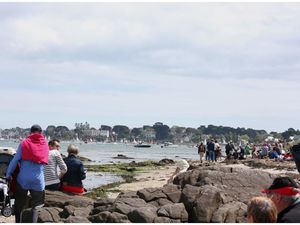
[72, 180]
[285, 195]
[296, 154]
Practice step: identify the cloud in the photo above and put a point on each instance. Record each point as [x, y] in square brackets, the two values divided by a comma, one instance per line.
[191, 63]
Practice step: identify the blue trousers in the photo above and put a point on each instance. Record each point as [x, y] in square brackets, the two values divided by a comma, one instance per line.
[212, 155]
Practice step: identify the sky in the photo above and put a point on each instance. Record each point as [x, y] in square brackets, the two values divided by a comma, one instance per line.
[134, 64]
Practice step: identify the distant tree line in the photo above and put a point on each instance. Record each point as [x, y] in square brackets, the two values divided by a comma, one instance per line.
[159, 132]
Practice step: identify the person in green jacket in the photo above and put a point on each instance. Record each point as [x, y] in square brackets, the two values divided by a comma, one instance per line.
[247, 150]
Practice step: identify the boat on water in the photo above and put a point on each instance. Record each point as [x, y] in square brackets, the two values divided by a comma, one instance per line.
[142, 145]
[169, 145]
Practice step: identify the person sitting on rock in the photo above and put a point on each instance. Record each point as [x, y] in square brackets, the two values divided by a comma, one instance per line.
[285, 195]
[261, 210]
[274, 154]
[182, 166]
[56, 167]
[72, 180]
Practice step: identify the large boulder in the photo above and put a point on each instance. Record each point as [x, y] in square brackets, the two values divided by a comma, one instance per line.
[189, 195]
[45, 215]
[61, 199]
[239, 183]
[108, 217]
[233, 212]
[173, 192]
[143, 215]
[76, 219]
[70, 210]
[174, 211]
[150, 194]
[127, 205]
[206, 204]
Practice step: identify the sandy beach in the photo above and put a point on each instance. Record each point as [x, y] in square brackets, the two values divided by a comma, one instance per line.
[152, 178]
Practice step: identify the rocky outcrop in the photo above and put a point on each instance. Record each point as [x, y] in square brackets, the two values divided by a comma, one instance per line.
[216, 194]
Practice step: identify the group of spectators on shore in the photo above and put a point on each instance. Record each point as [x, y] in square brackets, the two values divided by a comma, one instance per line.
[211, 151]
[281, 202]
[40, 165]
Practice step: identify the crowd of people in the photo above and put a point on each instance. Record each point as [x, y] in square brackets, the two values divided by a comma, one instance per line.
[40, 166]
[281, 202]
[211, 151]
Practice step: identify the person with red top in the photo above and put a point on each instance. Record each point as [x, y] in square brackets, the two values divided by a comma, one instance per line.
[31, 156]
[72, 180]
[285, 195]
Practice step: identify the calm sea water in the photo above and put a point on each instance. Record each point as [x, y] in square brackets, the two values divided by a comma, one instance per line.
[101, 153]
[104, 153]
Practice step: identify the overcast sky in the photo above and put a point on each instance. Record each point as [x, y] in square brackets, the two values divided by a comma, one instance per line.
[186, 64]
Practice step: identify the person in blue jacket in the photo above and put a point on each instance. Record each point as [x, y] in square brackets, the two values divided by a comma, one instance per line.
[31, 156]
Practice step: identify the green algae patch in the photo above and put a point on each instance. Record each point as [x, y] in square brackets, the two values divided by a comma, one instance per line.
[101, 192]
[126, 170]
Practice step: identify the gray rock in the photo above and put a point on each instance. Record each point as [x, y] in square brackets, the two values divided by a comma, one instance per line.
[150, 194]
[189, 195]
[70, 210]
[128, 194]
[103, 201]
[172, 191]
[162, 220]
[102, 208]
[45, 215]
[126, 205]
[108, 217]
[76, 219]
[162, 201]
[60, 199]
[230, 213]
[206, 204]
[174, 211]
[143, 215]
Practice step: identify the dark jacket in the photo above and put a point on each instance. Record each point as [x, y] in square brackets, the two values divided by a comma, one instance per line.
[290, 214]
[75, 173]
[211, 146]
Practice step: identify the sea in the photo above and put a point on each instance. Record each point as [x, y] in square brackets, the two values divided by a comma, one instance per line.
[103, 153]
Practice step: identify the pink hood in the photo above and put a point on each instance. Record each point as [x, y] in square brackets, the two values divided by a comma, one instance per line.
[35, 148]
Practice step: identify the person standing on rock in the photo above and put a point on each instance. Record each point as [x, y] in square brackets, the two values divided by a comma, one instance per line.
[211, 150]
[72, 180]
[201, 151]
[32, 155]
[56, 167]
[283, 192]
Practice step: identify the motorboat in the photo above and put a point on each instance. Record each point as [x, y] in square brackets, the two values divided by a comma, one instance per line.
[142, 145]
[169, 145]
